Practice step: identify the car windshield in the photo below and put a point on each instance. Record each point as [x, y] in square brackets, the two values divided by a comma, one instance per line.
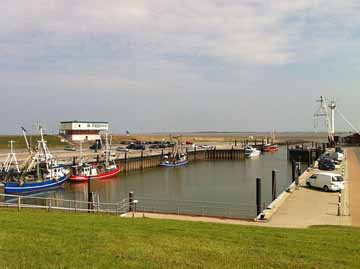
[338, 178]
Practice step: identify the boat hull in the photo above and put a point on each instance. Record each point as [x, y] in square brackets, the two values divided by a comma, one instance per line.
[109, 174]
[252, 155]
[273, 148]
[28, 187]
[174, 164]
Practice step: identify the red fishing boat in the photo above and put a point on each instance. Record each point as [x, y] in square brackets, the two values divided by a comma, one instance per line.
[87, 171]
[270, 148]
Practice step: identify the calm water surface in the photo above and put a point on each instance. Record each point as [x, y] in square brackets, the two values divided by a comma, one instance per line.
[224, 188]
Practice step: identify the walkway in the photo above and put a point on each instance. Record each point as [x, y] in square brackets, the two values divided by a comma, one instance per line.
[354, 182]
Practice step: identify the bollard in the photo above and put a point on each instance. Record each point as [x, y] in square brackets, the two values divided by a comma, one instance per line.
[273, 184]
[258, 196]
[339, 209]
[131, 200]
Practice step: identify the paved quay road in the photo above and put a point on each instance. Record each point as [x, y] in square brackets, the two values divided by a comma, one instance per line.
[354, 184]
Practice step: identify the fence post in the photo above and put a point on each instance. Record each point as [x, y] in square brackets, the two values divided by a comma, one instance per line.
[49, 205]
[19, 203]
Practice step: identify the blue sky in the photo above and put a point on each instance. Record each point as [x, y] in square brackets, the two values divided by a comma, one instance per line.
[178, 65]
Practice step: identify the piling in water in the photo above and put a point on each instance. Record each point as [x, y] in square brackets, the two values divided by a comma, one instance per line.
[258, 196]
[273, 184]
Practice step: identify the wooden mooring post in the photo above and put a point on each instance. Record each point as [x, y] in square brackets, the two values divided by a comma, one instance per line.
[131, 201]
[258, 196]
[273, 184]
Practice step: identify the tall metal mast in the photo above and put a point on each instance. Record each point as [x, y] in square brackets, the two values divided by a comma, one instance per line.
[323, 112]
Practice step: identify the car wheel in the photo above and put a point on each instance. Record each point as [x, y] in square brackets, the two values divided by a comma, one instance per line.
[326, 188]
[308, 184]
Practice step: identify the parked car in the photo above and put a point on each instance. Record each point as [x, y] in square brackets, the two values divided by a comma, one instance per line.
[122, 149]
[326, 181]
[336, 156]
[136, 146]
[96, 146]
[340, 150]
[70, 148]
[154, 146]
[326, 164]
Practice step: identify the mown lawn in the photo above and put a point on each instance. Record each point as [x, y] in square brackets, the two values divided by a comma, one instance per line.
[38, 239]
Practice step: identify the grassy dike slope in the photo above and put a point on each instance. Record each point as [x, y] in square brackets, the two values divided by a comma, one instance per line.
[52, 141]
[37, 239]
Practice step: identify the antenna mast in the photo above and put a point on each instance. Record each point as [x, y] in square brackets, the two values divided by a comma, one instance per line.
[323, 112]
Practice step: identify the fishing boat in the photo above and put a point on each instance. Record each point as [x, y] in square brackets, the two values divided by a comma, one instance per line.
[174, 161]
[40, 171]
[270, 148]
[84, 171]
[251, 152]
[175, 158]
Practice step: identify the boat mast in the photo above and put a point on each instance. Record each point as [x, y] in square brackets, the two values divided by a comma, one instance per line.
[11, 159]
[323, 112]
[106, 150]
[26, 140]
[80, 157]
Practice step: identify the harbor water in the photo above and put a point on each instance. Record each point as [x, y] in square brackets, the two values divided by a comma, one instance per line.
[213, 188]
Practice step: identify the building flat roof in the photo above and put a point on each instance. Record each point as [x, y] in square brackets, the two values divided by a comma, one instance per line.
[84, 121]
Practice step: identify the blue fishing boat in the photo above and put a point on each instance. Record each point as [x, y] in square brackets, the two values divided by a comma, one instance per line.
[174, 164]
[39, 172]
[28, 187]
[176, 157]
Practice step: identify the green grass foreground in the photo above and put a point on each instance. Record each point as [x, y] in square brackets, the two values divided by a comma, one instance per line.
[38, 239]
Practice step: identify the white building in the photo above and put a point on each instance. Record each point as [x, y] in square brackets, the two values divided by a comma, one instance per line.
[83, 130]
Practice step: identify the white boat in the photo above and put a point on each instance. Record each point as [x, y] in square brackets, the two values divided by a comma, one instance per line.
[251, 152]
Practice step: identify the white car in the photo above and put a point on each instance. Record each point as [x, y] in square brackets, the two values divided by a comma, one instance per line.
[326, 181]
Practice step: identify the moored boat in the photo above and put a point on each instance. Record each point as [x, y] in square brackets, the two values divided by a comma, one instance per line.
[88, 171]
[84, 171]
[251, 152]
[270, 148]
[178, 160]
[175, 158]
[41, 171]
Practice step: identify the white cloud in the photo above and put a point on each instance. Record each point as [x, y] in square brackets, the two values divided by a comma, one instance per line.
[256, 32]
